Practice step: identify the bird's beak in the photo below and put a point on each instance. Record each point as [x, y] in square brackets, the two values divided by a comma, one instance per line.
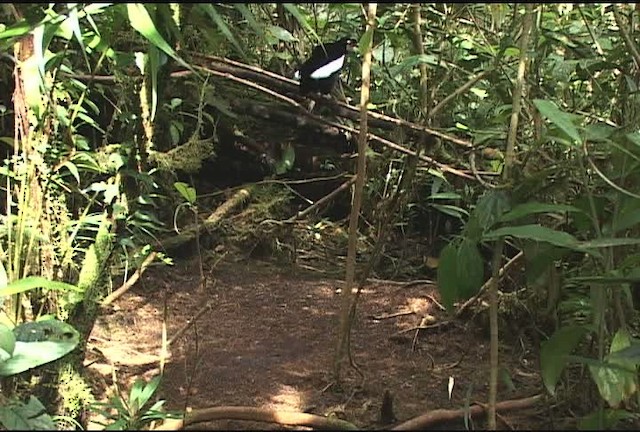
[351, 45]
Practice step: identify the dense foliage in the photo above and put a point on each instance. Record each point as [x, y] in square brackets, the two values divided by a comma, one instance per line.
[117, 117]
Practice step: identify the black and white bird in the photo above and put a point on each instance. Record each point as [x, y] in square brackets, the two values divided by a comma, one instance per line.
[321, 71]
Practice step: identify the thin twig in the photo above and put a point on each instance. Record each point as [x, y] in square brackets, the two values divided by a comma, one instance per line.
[132, 280]
[466, 304]
[189, 323]
[631, 46]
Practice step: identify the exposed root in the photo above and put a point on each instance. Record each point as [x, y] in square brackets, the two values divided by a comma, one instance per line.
[288, 418]
[432, 418]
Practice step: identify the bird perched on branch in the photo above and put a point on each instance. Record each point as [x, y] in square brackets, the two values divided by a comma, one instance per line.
[321, 71]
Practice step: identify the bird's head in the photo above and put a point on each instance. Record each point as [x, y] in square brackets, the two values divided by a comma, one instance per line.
[350, 44]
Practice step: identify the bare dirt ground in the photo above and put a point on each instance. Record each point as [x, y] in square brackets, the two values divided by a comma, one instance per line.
[269, 338]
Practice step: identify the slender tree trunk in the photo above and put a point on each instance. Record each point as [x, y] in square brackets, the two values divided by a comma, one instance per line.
[347, 292]
[497, 250]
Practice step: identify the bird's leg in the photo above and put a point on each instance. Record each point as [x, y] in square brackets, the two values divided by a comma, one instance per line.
[312, 103]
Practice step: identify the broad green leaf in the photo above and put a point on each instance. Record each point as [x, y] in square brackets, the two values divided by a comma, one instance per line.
[505, 377]
[453, 211]
[539, 258]
[609, 280]
[281, 34]
[145, 391]
[222, 26]
[411, 62]
[7, 339]
[614, 385]
[154, 65]
[634, 137]
[460, 272]
[16, 415]
[141, 22]
[304, 23]
[220, 103]
[29, 355]
[599, 132]
[631, 353]
[51, 330]
[38, 343]
[187, 192]
[18, 29]
[73, 169]
[534, 207]
[77, 31]
[33, 282]
[609, 242]
[365, 41]
[445, 196]
[554, 352]
[535, 232]
[470, 269]
[248, 15]
[448, 276]
[619, 383]
[559, 118]
[611, 419]
[288, 159]
[490, 207]
[627, 217]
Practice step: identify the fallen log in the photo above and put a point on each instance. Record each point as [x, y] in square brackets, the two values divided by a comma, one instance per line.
[190, 232]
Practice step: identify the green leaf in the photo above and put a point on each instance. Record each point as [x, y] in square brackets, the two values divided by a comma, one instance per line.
[540, 257]
[470, 269]
[627, 217]
[7, 339]
[445, 196]
[304, 23]
[447, 275]
[224, 28]
[611, 418]
[505, 377]
[460, 272]
[145, 392]
[453, 211]
[413, 61]
[288, 159]
[77, 31]
[33, 282]
[18, 29]
[51, 330]
[221, 104]
[73, 169]
[559, 118]
[29, 355]
[530, 208]
[16, 415]
[535, 232]
[141, 22]
[490, 207]
[554, 352]
[187, 192]
[616, 383]
[281, 34]
[609, 242]
[366, 40]
[248, 15]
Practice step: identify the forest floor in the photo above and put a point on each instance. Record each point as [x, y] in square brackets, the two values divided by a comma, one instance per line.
[269, 338]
